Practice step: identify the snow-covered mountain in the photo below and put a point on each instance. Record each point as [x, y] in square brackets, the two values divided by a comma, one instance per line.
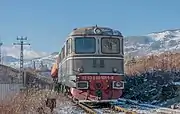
[10, 56]
[38, 63]
[155, 42]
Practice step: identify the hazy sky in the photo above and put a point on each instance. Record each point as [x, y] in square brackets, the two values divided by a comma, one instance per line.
[46, 23]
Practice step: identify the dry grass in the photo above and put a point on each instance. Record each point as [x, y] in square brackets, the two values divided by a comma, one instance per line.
[165, 61]
[29, 103]
[24, 103]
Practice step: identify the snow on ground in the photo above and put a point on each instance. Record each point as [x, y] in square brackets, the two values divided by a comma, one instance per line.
[65, 106]
[29, 103]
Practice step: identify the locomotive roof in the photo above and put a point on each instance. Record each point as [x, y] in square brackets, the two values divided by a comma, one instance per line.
[95, 30]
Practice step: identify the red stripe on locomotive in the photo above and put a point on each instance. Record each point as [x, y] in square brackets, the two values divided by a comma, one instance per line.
[101, 84]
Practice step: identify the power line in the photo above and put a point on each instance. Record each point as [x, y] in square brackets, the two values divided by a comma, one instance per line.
[21, 43]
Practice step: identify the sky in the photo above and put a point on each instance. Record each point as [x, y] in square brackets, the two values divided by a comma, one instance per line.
[46, 23]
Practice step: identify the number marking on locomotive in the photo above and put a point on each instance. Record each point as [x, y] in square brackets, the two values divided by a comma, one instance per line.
[97, 77]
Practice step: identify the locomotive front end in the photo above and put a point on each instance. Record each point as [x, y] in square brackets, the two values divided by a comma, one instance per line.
[98, 62]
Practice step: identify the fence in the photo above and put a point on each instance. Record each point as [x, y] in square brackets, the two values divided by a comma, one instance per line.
[8, 83]
[8, 90]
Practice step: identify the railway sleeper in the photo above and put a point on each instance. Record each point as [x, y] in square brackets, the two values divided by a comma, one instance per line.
[98, 105]
[87, 108]
[120, 109]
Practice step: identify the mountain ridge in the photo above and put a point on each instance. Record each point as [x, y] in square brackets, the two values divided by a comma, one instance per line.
[135, 46]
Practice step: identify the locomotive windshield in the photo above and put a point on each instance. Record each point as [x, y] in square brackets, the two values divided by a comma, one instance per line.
[85, 45]
[110, 45]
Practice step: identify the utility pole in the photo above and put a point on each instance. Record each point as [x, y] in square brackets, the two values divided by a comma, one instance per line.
[34, 65]
[1, 52]
[21, 43]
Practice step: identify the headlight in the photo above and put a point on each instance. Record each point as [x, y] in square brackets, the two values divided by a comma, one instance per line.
[80, 69]
[118, 85]
[97, 30]
[82, 85]
[114, 70]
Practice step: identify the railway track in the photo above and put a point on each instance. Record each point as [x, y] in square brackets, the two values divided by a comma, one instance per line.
[107, 110]
[123, 106]
[102, 108]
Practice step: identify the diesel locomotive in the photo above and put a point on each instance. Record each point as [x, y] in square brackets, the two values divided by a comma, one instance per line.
[90, 65]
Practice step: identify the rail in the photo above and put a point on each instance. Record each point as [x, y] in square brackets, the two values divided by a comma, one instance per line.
[91, 109]
[121, 109]
[111, 109]
[127, 107]
[87, 108]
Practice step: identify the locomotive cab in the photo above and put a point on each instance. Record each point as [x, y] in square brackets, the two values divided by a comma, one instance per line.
[92, 64]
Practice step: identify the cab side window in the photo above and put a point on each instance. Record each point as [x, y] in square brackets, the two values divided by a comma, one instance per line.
[122, 47]
[68, 46]
[62, 53]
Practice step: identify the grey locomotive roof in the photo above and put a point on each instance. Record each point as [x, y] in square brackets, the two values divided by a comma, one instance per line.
[90, 30]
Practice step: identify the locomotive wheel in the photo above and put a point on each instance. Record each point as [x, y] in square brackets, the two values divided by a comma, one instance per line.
[57, 87]
[68, 91]
[61, 88]
[64, 90]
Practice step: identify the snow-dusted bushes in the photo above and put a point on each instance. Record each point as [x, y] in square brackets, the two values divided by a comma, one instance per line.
[152, 87]
[166, 61]
[150, 79]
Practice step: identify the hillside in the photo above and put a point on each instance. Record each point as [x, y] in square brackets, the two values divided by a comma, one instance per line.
[164, 61]
[153, 43]
[46, 61]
